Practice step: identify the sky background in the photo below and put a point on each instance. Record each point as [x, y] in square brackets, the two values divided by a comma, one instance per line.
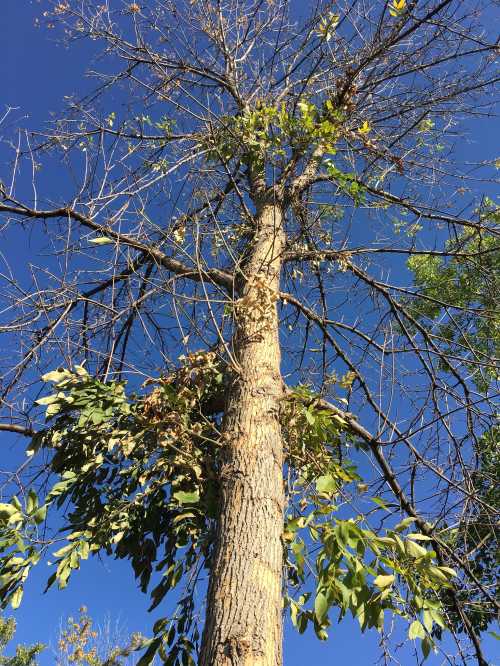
[35, 74]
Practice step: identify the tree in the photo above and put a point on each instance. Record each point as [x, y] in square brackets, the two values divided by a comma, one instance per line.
[25, 655]
[246, 183]
[81, 643]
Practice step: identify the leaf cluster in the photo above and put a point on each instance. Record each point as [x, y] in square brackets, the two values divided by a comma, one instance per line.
[139, 475]
[451, 295]
[25, 655]
[353, 568]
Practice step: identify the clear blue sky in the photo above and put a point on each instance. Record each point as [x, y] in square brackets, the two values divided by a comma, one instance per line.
[35, 74]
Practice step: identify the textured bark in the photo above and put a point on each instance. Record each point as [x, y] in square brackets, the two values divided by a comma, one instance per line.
[244, 604]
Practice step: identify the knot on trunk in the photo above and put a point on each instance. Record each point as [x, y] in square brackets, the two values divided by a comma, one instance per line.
[238, 650]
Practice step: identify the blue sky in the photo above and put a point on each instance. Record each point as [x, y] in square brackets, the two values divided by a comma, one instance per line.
[35, 74]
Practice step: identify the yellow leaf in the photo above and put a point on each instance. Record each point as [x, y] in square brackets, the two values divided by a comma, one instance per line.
[397, 7]
[55, 376]
[179, 234]
[327, 26]
[365, 128]
[101, 240]
[15, 601]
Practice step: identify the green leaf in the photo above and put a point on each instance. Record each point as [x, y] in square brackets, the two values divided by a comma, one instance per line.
[414, 550]
[48, 400]
[447, 570]
[320, 607]
[32, 501]
[50, 581]
[186, 498]
[7, 511]
[63, 573]
[69, 475]
[416, 630]
[437, 617]
[40, 515]
[404, 524]
[15, 501]
[183, 516]
[302, 622]
[426, 646]
[149, 655]
[160, 625]
[310, 418]
[62, 551]
[380, 502]
[52, 410]
[437, 574]
[326, 484]
[59, 488]
[384, 581]
[427, 620]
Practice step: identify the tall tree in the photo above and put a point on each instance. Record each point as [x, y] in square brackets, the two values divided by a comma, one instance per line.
[241, 193]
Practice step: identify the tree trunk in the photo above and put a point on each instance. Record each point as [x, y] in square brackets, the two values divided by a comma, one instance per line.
[244, 604]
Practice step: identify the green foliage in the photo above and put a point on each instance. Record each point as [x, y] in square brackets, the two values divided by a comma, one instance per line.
[267, 134]
[460, 306]
[138, 472]
[18, 550]
[272, 136]
[24, 655]
[356, 570]
[477, 535]
[460, 303]
[139, 475]
[347, 182]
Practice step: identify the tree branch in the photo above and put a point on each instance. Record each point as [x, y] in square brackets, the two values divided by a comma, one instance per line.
[215, 275]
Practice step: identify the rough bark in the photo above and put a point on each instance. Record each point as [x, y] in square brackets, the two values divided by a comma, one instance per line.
[244, 603]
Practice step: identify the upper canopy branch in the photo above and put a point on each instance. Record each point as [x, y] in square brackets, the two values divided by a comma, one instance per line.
[420, 210]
